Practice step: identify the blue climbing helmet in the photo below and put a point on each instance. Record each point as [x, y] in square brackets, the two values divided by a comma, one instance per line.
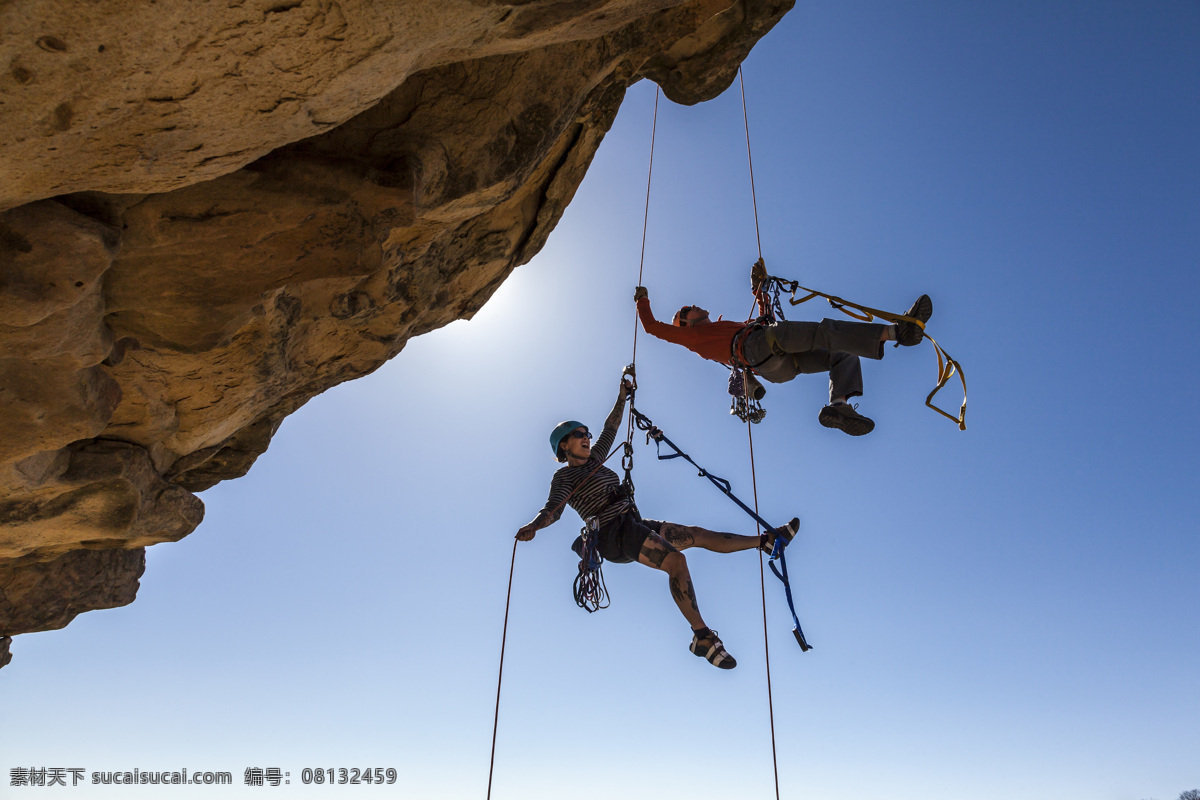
[560, 432]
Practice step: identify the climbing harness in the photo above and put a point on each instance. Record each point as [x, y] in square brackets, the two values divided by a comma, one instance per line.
[768, 290]
[654, 433]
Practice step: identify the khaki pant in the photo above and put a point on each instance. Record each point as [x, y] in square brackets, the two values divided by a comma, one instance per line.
[831, 345]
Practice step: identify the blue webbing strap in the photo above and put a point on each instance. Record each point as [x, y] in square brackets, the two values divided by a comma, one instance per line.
[643, 422]
[777, 554]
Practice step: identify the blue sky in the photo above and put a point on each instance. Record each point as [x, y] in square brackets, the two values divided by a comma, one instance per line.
[1009, 611]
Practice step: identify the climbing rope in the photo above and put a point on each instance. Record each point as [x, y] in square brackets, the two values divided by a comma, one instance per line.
[762, 583]
[752, 412]
[750, 159]
[500, 677]
[508, 598]
[631, 370]
[645, 224]
[745, 405]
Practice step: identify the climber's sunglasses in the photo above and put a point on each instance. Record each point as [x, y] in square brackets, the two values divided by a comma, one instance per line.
[579, 435]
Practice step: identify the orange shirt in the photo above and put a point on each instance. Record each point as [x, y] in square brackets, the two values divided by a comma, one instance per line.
[711, 340]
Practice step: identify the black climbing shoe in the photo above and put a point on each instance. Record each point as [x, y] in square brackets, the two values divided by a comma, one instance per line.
[788, 532]
[908, 333]
[844, 417]
[710, 647]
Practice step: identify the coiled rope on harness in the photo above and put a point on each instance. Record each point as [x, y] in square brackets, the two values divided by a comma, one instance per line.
[590, 592]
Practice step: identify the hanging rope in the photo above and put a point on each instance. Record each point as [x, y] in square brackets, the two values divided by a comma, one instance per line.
[744, 407]
[504, 635]
[645, 224]
[762, 583]
[750, 160]
[750, 417]
[500, 677]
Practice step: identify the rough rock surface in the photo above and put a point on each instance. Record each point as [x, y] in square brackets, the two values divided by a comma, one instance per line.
[212, 212]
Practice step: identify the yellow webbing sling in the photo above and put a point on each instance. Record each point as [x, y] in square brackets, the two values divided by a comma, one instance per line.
[947, 366]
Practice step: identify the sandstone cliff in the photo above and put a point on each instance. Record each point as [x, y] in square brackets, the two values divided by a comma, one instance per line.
[211, 212]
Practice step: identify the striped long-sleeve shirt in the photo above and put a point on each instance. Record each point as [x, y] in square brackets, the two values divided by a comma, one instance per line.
[591, 487]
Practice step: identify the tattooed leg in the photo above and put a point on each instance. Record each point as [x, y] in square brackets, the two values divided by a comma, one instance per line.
[679, 536]
[684, 593]
[685, 536]
[654, 551]
[660, 555]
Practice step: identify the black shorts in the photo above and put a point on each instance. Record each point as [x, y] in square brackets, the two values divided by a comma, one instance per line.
[621, 540]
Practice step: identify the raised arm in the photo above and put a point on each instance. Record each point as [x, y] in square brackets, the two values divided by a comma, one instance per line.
[652, 326]
[642, 298]
[607, 436]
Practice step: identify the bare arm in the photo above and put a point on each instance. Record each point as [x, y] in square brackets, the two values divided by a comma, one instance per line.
[607, 436]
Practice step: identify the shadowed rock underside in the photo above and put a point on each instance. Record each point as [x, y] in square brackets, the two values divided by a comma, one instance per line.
[212, 212]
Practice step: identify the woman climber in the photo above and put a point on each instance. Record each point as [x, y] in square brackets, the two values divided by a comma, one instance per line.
[594, 491]
[779, 351]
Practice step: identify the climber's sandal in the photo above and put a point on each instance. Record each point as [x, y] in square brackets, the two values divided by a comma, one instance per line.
[710, 647]
[788, 532]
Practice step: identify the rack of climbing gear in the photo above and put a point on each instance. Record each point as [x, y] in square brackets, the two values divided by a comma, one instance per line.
[768, 290]
[746, 392]
[655, 434]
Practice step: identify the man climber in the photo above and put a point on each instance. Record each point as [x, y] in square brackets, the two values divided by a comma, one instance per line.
[594, 490]
[779, 351]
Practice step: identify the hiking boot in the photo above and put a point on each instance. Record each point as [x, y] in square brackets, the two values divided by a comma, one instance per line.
[788, 532]
[710, 647]
[846, 419]
[909, 333]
